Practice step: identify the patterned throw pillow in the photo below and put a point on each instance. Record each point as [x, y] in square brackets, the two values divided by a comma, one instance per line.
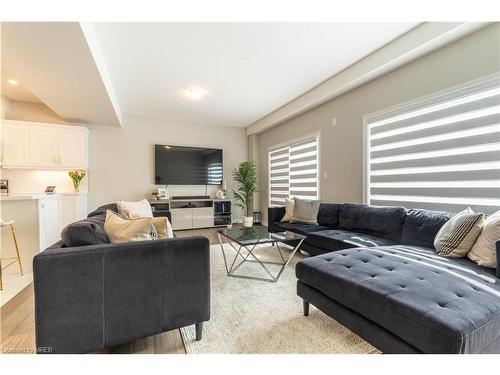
[457, 236]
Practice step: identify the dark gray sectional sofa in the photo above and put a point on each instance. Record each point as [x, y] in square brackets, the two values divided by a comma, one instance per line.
[91, 294]
[376, 272]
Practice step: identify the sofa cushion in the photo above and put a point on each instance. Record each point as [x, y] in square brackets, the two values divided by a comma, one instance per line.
[299, 228]
[89, 231]
[379, 221]
[421, 226]
[437, 305]
[334, 240]
[328, 215]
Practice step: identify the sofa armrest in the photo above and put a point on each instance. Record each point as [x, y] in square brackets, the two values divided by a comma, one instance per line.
[498, 257]
[274, 216]
[91, 297]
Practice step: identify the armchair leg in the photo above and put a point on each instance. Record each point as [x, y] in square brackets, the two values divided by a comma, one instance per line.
[306, 307]
[199, 329]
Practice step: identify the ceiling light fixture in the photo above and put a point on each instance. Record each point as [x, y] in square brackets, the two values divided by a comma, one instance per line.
[13, 82]
[195, 93]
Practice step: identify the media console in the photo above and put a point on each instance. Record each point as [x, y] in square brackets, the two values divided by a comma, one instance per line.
[191, 213]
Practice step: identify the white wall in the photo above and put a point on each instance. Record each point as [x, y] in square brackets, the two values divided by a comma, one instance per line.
[342, 145]
[122, 159]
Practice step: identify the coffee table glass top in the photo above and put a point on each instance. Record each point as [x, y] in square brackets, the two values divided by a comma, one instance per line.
[258, 234]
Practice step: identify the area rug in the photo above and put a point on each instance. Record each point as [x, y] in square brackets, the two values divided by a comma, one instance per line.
[249, 316]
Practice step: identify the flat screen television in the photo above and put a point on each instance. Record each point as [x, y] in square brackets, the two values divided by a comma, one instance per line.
[179, 165]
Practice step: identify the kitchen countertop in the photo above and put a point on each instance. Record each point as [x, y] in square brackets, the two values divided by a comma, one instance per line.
[33, 196]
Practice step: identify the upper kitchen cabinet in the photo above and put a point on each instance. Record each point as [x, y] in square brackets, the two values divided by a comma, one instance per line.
[72, 146]
[40, 145]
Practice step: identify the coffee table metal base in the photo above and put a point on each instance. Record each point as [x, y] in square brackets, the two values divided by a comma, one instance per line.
[250, 256]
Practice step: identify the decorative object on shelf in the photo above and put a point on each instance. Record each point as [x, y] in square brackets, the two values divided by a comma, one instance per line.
[51, 189]
[77, 177]
[220, 194]
[257, 217]
[4, 186]
[245, 177]
[162, 193]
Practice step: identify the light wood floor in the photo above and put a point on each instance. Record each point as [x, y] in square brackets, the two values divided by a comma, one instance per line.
[17, 322]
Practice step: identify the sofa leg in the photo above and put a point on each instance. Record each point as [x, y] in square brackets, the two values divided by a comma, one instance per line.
[199, 329]
[306, 307]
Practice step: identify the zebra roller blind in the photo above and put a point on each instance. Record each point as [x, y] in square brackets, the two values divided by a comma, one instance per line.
[441, 152]
[293, 171]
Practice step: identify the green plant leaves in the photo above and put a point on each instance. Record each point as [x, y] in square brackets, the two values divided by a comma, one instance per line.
[245, 177]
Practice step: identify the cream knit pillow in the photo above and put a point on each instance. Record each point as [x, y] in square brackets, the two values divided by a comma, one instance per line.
[483, 252]
[289, 206]
[138, 209]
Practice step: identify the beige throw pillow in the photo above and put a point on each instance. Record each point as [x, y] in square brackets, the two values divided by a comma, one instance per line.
[289, 206]
[484, 252]
[457, 235]
[121, 230]
[162, 224]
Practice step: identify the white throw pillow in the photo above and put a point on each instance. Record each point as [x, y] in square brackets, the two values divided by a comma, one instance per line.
[289, 206]
[135, 209]
[484, 252]
[457, 235]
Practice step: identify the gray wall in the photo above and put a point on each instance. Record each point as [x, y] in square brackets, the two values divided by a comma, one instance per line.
[342, 145]
[122, 159]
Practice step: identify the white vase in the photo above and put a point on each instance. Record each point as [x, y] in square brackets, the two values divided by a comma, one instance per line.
[248, 221]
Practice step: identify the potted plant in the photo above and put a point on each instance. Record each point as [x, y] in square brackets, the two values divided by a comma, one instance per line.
[77, 177]
[245, 177]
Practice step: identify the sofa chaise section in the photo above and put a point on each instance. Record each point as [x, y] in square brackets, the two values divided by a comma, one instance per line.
[428, 303]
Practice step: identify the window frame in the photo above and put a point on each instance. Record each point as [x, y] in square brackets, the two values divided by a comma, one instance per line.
[409, 106]
[317, 136]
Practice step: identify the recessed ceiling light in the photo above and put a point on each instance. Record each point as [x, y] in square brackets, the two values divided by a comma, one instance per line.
[13, 82]
[195, 93]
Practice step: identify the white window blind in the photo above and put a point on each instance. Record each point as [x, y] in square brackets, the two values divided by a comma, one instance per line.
[441, 152]
[293, 171]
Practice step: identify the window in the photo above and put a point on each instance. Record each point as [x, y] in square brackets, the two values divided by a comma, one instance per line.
[294, 171]
[440, 152]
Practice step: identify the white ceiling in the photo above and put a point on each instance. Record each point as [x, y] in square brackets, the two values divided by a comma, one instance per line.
[249, 70]
[15, 92]
[56, 63]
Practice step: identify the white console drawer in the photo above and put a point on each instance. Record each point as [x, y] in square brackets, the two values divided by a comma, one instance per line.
[182, 218]
[203, 217]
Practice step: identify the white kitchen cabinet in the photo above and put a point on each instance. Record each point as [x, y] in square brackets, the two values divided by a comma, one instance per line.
[49, 221]
[72, 146]
[15, 142]
[73, 208]
[40, 145]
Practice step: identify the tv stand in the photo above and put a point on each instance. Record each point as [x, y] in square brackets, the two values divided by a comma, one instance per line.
[194, 212]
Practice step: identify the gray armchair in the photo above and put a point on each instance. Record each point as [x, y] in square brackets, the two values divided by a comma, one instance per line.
[92, 297]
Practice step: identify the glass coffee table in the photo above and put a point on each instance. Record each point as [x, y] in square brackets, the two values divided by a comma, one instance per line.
[244, 242]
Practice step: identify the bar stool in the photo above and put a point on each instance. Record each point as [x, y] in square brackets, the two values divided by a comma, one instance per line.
[14, 259]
